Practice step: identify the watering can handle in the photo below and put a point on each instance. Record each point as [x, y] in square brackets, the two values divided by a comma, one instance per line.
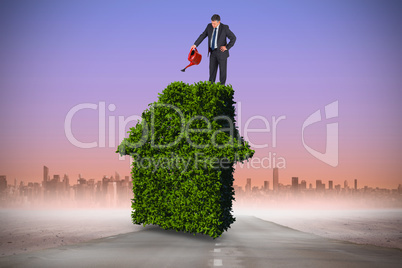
[192, 51]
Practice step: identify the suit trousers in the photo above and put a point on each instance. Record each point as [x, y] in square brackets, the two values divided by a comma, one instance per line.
[214, 61]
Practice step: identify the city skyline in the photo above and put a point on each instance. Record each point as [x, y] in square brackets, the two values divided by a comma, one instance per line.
[114, 192]
[271, 183]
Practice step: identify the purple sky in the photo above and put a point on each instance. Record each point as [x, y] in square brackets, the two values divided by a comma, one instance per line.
[291, 58]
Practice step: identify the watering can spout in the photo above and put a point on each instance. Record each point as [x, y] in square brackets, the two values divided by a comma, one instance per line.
[194, 57]
[187, 66]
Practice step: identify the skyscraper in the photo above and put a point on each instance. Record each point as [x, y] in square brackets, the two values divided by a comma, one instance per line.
[66, 181]
[275, 179]
[248, 185]
[45, 175]
[3, 183]
[330, 185]
[295, 183]
[266, 186]
[355, 184]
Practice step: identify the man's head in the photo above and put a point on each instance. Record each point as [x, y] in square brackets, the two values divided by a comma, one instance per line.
[215, 20]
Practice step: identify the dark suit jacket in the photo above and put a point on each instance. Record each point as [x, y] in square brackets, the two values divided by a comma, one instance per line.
[221, 41]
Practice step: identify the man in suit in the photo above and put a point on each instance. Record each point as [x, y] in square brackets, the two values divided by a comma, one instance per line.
[217, 46]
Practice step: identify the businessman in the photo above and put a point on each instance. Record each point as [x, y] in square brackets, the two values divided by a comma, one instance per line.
[217, 46]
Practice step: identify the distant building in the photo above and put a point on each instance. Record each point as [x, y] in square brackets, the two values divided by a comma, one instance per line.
[319, 186]
[66, 181]
[255, 189]
[116, 176]
[275, 179]
[330, 185]
[295, 184]
[266, 186]
[3, 183]
[303, 185]
[81, 190]
[248, 185]
[45, 176]
[355, 184]
[56, 178]
[238, 189]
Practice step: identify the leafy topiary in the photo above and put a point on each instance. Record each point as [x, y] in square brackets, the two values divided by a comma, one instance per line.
[183, 154]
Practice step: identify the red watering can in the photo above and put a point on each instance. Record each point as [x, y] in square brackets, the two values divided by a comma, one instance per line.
[194, 57]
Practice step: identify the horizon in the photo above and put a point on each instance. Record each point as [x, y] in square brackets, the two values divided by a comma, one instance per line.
[312, 182]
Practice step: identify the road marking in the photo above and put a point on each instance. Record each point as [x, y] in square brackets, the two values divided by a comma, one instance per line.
[217, 262]
[217, 244]
[217, 250]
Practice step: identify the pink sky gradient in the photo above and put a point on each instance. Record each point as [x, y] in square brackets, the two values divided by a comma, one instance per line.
[290, 59]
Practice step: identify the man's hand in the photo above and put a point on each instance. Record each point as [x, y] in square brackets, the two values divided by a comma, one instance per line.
[193, 46]
[223, 48]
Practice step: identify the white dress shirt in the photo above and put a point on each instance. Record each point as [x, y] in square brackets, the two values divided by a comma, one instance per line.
[216, 37]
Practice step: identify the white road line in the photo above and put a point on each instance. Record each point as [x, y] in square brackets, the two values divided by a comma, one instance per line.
[217, 244]
[217, 262]
[217, 250]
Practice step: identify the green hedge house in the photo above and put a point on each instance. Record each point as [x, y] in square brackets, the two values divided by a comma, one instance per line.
[183, 153]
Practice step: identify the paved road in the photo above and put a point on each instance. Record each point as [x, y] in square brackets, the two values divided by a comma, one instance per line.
[250, 242]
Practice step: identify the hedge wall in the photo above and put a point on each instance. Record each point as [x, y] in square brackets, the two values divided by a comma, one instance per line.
[183, 153]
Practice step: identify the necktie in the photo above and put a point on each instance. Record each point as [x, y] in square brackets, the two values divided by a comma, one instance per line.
[213, 39]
